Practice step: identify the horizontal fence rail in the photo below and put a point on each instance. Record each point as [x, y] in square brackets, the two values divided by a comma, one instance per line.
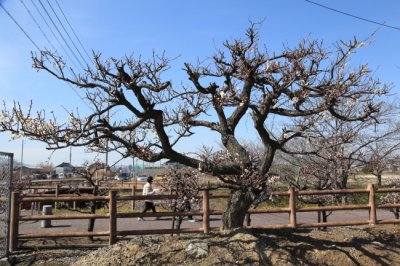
[113, 215]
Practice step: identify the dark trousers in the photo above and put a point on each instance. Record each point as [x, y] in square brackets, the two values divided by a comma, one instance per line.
[187, 207]
[148, 205]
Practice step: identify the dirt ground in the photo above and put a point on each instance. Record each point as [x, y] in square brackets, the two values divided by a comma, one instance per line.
[378, 245]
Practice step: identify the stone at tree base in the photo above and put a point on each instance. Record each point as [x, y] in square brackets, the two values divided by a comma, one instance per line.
[197, 249]
[4, 262]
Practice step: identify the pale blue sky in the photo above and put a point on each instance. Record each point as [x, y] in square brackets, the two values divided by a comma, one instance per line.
[188, 29]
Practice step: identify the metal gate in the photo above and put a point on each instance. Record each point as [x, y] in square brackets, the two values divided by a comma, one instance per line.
[6, 168]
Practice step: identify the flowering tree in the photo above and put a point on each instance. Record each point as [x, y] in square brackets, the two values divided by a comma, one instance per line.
[239, 80]
[337, 149]
[88, 171]
[47, 167]
[380, 154]
[392, 198]
[185, 184]
[310, 172]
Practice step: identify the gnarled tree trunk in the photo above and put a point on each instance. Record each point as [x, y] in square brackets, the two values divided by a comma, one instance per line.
[379, 178]
[238, 204]
[93, 205]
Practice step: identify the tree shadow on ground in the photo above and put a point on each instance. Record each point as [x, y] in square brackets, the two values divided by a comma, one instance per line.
[297, 245]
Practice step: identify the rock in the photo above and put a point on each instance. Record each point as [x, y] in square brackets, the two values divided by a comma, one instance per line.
[378, 243]
[4, 262]
[279, 257]
[243, 237]
[197, 249]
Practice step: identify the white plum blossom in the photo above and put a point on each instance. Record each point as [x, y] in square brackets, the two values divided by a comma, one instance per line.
[222, 93]
[155, 136]
[267, 65]
[295, 100]
[364, 69]
[361, 44]
[350, 102]
[17, 135]
[4, 118]
[326, 116]
[379, 91]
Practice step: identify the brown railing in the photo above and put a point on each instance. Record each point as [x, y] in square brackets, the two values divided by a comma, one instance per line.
[205, 212]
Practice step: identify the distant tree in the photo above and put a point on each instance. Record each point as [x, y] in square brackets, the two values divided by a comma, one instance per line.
[241, 79]
[47, 167]
[336, 149]
[309, 172]
[392, 198]
[185, 184]
[381, 153]
[88, 171]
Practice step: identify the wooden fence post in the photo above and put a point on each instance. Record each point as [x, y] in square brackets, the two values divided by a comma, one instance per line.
[248, 219]
[113, 217]
[372, 205]
[56, 194]
[36, 204]
[33, 203]
[206, 211]
[292, 207]
[133, 193]
[14, 221]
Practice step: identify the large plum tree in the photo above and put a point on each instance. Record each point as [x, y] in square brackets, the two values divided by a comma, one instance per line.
[295, 87]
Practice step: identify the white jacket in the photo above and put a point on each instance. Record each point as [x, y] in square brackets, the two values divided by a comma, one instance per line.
[148, 190]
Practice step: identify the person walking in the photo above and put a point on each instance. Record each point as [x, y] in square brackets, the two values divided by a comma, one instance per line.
[187, 206]
[148, 190]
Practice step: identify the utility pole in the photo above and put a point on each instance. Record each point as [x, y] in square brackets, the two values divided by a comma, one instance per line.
[22, 160]
[70, 155]
[105, 167]
[106, 164]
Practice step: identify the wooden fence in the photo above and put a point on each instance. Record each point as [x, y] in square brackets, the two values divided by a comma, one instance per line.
[205, 213]
[51, 191]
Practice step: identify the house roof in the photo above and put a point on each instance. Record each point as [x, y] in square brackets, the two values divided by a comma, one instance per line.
[65, 165]
[27, 168]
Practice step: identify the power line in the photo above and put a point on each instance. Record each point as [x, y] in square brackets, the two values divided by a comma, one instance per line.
[34, 43]
[19, 26]
[62, 25]
[62, 36]
[37, 24]
[54, 35]
[59, 42]
[73, 31]
[353, 16]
